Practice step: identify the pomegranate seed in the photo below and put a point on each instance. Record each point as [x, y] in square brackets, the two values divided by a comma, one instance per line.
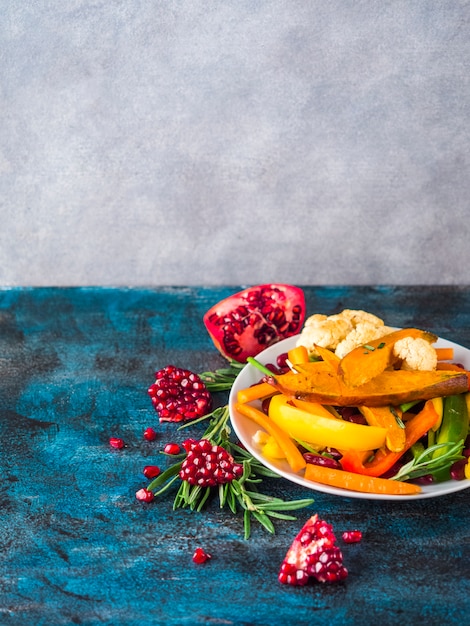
[200, 556]
[150, 434]
[116, 442]
[151, 471]
[144, 495]
[172, 448]
[352, 536]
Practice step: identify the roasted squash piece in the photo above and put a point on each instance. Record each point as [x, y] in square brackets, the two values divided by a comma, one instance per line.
[369, 360]
[316, 382]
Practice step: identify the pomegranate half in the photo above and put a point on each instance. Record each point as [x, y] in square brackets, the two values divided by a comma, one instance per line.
[251, 320]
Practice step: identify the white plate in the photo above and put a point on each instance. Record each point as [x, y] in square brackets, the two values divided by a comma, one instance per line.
[245, 429]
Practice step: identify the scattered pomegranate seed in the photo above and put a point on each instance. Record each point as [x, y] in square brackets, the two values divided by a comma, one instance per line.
[352, 536]
[151, 471]
[172, 448]
[116, 442]
[178, 394]
[313, 554]
[200, 556]
[150, 434]
[144, 495]
[208, 465]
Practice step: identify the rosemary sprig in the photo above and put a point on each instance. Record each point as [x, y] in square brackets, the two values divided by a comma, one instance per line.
[241, 494]
[223, 378]
[424, 463]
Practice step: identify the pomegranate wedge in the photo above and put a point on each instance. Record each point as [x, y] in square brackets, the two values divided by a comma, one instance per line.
[251, 320]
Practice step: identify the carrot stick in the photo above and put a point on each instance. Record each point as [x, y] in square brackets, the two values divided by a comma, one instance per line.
[358, 482]
[255, 392]
[297, 355]
[290, 450]
[444, 354]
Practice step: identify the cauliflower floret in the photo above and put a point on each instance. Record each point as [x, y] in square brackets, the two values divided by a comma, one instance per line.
[341, 332]
[363, 333]
[359, 317]
[324, 331]
[415, 354]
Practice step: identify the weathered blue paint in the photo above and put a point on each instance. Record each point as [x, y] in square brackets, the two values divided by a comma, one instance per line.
[77, 548]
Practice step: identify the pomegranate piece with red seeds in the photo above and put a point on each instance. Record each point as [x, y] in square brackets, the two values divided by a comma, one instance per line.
[179, 395]
[313, 555]
[207, 464]
[251, 320]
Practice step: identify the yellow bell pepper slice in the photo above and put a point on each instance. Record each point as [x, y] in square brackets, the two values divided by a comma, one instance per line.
[324, 431]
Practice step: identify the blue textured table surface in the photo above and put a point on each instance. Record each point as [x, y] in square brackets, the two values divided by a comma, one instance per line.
[78, 548]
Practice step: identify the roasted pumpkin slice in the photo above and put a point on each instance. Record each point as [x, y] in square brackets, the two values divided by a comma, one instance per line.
[316, 382]
[371, 359]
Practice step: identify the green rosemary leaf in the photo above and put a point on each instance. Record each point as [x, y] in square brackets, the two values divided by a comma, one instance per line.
[255, 495]
[166, 486]
[203, 500]
[398, 419]
[282, 516]
[247, 523]
[424, 463]
[264, 520]
[171, 471]
[290, 505]
[223, 378]
[231, 499]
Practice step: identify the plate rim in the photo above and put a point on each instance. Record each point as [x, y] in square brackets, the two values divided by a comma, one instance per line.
[241, 424]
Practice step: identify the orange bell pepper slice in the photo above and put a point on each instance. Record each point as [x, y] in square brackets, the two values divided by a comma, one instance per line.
[385, 459]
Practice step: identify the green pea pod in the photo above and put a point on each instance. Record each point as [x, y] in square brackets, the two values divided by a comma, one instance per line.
[454, 425]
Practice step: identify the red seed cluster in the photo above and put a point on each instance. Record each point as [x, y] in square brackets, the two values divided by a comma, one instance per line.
[179, 394]
[208, 465]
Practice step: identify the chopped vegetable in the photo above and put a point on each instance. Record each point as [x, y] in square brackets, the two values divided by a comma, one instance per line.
[323, 431]
[385, 459]
[387, 417]
[358, 482]
[316, 382]
[291, 452]
[365, 362]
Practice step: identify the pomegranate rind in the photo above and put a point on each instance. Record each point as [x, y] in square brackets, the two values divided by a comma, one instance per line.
[251, 320]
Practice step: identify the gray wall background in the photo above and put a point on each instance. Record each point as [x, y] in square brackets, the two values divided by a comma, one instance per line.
[204, 142]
